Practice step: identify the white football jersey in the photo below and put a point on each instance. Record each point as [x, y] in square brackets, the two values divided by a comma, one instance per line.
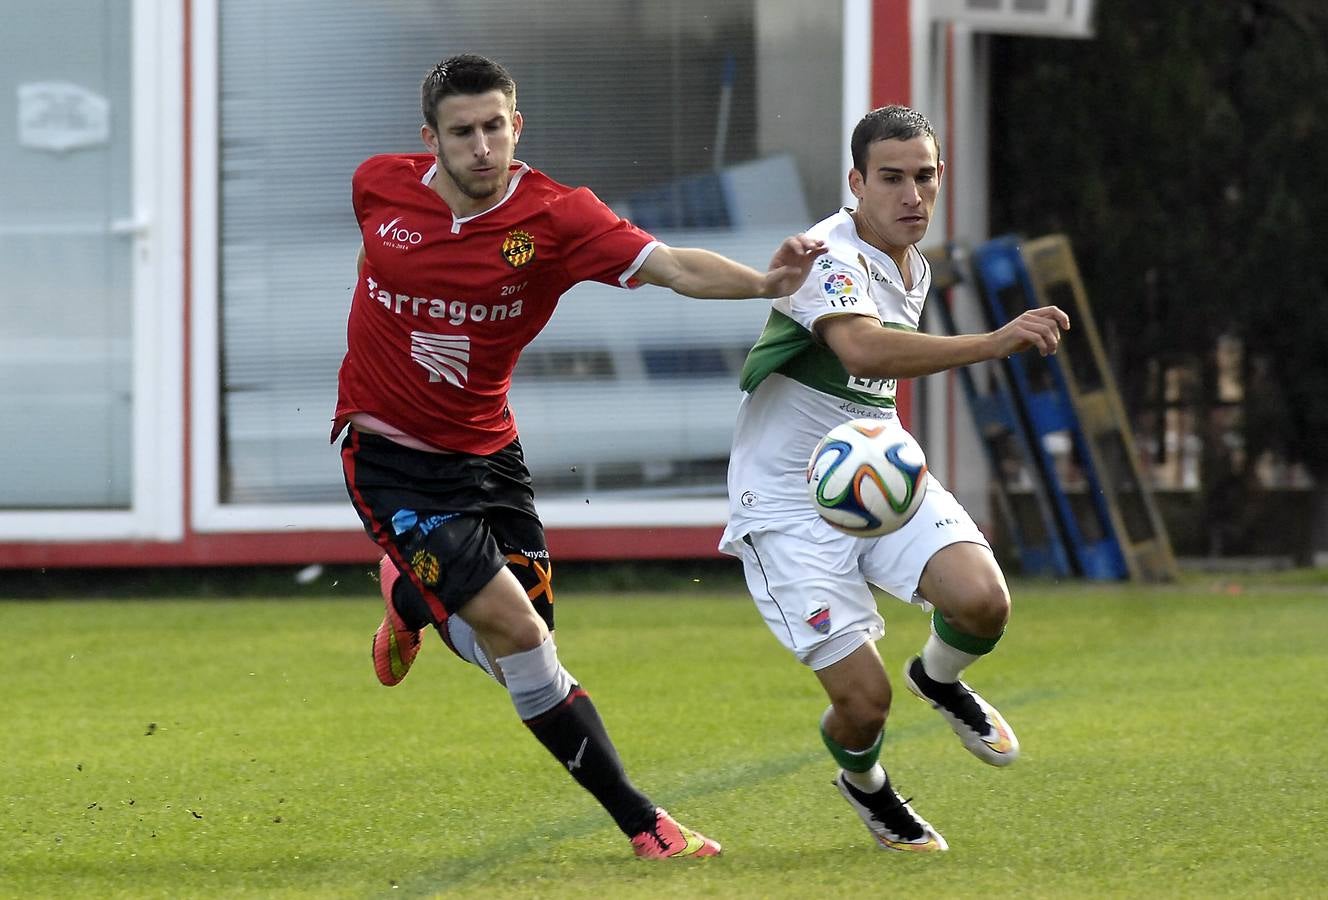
[796, 389]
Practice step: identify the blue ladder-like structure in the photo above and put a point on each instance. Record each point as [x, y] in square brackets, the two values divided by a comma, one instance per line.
[1029, 520]
[1072, 418]
[1108, 438]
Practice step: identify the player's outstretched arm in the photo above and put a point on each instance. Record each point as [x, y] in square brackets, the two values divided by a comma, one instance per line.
[694, 272]
[869, 351]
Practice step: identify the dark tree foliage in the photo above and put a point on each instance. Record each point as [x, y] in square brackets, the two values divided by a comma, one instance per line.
[1184, 150]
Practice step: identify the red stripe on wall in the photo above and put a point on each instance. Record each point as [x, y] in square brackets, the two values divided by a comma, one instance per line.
[186, 289]
[335, 547]
[951, 472]
[892, 56]
[892, 82]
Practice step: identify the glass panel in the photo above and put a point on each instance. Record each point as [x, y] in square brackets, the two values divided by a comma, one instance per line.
[677, 115]
[66, 145]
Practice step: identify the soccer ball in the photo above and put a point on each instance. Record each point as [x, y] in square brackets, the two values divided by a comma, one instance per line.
[867, 478]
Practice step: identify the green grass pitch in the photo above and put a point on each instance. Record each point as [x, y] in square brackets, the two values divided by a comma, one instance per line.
[1174, 745]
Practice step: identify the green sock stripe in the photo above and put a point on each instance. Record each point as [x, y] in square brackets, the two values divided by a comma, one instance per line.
[854, 760]
[965, 643]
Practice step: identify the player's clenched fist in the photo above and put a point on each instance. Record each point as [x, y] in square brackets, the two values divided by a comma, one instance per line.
[1039, 329]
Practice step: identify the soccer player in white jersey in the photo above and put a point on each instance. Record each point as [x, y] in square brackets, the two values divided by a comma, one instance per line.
[830, 352]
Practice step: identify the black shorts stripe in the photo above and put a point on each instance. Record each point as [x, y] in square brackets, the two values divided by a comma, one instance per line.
[747, 539]
[376, 529]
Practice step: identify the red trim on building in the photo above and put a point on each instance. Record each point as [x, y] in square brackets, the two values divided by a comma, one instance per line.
[892, 56]
[662, 542]
[186, 289]
[951, 376]
[892, 82]
[295, 548]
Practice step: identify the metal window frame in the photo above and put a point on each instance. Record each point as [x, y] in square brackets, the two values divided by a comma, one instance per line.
[208, 513]
[156, 229]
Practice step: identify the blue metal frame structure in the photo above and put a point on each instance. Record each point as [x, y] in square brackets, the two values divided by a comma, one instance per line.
[1029, 520]
[1050, 422]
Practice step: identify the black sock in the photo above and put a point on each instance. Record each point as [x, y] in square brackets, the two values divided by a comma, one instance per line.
[575, 735]
[411, 605]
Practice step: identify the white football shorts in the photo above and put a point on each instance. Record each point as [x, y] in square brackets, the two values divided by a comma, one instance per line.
[810, 582]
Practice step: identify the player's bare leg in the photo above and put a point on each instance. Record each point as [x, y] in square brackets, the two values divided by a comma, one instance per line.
[465, 643]
[853, 731]
[972, 605]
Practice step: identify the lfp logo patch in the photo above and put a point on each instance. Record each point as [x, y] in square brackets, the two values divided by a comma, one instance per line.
[838, 285]
[820, 620]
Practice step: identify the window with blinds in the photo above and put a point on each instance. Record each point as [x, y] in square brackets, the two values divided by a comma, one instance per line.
[677, 115]
[67, 264]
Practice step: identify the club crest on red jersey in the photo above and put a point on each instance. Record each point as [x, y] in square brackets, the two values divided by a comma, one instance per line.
[518, 248]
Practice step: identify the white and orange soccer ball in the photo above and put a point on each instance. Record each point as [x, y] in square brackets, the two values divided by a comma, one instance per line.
[867, 478]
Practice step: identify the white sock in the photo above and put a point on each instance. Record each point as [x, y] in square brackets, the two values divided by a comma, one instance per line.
[536, 679]
[467, 647]
[944, 663]
[869, 782]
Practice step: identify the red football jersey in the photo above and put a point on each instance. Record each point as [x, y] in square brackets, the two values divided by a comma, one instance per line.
[445, 305]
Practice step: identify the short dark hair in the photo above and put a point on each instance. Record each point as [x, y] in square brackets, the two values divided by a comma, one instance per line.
[466, 73]
[889, 123]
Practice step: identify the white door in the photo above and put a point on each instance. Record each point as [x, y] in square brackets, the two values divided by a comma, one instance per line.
[90, 161]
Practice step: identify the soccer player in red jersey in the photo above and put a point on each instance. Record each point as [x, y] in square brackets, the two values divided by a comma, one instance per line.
[465, 254]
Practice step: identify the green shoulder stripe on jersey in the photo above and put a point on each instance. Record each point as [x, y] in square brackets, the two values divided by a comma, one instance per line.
[780, 340]
[789, 349]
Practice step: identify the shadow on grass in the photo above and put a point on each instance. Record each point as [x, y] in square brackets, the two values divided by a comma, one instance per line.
[532, 844]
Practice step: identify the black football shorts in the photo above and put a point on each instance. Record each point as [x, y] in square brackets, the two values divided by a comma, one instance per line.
[450, 521]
